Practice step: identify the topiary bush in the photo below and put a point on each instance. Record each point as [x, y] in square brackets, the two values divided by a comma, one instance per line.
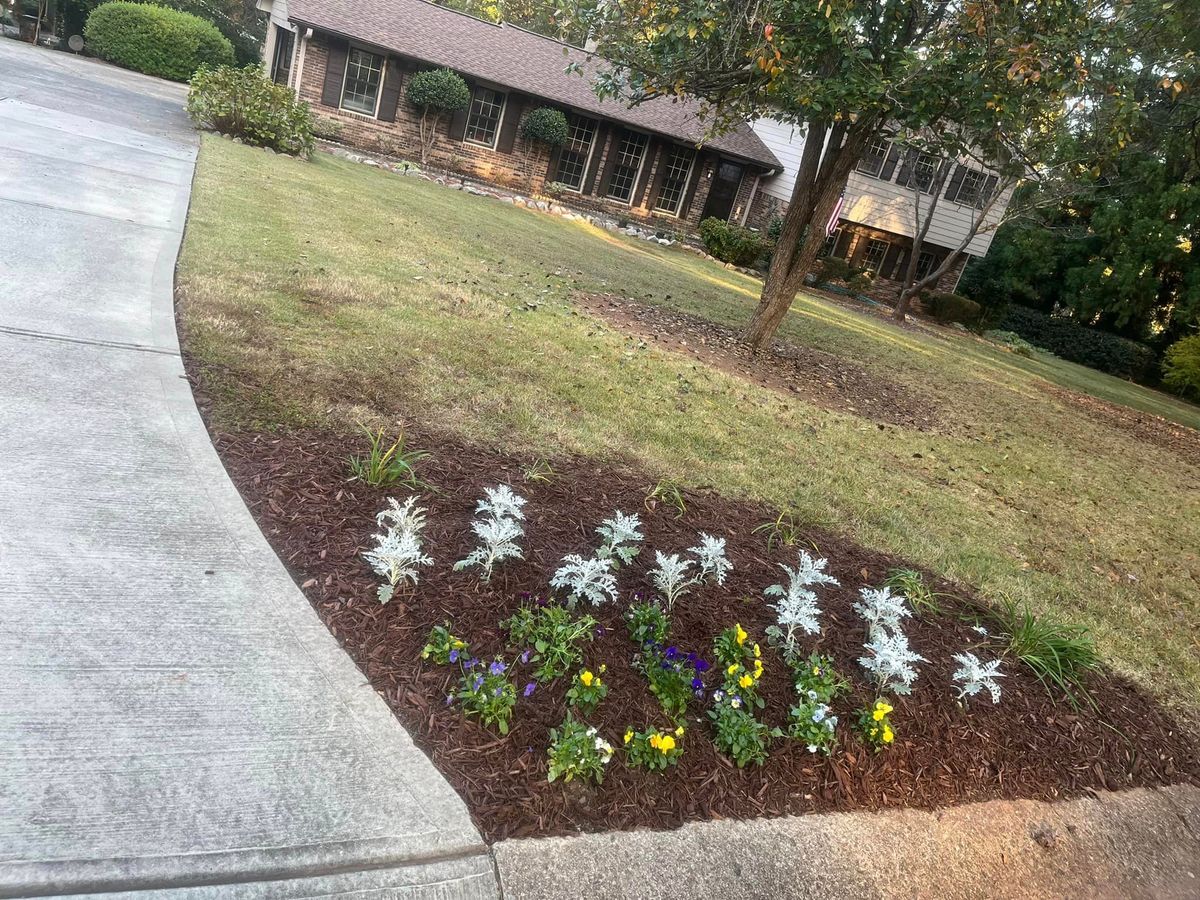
[946, 307]
[732, 243]
[245, 104]
[435, 92]
[545, 124]
[155, 40]
[1080, 344]
[1181, 367]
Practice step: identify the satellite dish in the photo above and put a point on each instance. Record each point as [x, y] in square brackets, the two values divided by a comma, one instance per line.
[75, 42]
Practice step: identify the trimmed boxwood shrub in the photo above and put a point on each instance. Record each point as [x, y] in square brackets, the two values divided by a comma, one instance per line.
[947, 307]
[155, 40]
[545, 124]
[732, 243]
[835, 269]
[1181, 367]
[245, 104]
[1087, 346]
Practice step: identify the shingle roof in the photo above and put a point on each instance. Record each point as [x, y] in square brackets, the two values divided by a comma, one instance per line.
[514, 58]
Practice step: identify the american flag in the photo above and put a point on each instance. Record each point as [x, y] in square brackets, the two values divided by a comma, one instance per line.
[832, 224]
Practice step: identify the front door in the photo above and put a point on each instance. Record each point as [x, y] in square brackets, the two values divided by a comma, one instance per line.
[726, 182]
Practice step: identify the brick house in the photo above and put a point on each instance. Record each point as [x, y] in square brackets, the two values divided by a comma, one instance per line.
[350, 60]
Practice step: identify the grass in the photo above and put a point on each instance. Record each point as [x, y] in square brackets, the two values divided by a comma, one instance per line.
[327, 293]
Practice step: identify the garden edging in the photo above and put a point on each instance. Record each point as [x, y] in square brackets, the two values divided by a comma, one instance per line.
[1136, 843]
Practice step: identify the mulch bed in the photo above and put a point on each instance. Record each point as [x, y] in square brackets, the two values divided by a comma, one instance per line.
[830, 381]
[1029, 746]
[1178, 439]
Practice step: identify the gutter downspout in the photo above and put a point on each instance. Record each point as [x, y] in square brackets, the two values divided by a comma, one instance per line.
[298, 68]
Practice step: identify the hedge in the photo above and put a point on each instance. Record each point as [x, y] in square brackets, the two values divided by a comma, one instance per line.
[732, 243]
[246, 104]
[947, 307]
[1080, 344]
[155, 40]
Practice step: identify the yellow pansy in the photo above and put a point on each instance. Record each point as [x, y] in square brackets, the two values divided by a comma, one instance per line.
[733, 668]
[667, 744]
[887, 735]
[881, 707]
[679, 731]
[741, 635]
[757, 651]
[603, 668]
[745, 681]
[629, 735]
[587, 678]
[816, 670]
[458, 645]
[877, 715]
[655, 740]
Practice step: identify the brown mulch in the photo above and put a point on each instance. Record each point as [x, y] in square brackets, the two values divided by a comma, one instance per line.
[1178, 439]
[1029, 746]
[830, 381]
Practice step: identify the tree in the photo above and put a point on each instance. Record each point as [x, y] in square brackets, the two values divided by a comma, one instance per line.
[435, 92]
[544, 125]
[542, 16]
[846, 72]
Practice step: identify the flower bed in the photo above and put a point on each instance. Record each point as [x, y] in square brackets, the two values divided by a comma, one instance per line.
[937, 750]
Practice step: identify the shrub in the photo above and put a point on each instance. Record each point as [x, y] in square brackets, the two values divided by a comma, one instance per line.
[835, 269]
[1080, 344]
[946, 307]
[1181, 367]
[545, 124]
[731, 243]
[1011, 341]
[435, 92]
[155, 40]
[245, 104]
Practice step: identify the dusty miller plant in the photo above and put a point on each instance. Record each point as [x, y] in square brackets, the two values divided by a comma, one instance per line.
[882, 609]
[974, 676]
[621, 534]
[498, 527]
[670, 577]
[890, 661]
[710, 556]
[397, 554]
[585, 579]
[796, 606]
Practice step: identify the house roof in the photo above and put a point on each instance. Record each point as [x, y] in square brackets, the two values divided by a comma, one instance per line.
[516, 59]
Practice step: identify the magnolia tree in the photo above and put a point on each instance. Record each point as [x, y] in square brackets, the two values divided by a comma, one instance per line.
[845, 72]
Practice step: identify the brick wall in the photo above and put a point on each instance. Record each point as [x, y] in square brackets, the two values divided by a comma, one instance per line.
[525, 169]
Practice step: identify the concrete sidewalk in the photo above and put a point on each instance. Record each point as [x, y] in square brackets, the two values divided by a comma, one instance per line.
[174, 718]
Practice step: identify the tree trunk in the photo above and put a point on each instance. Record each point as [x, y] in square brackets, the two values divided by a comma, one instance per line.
[820, 181]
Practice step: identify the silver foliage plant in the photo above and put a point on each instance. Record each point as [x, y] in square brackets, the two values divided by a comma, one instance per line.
[710, 557]
[796, 606]
[890, 662]
[622, 534]
[974, 676]
[670, 575]
[585, 578]
[397, 555]
[498, 527]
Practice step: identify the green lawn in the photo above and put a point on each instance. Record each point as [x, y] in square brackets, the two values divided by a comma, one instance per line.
[326, 293]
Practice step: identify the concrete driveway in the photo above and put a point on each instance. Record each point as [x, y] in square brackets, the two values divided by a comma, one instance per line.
[174, 719]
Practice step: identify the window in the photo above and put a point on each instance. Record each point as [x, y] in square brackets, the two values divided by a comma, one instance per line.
[281, 65]
[872, 258]
[677, 166]
[971, 190]
[360, 91]
[926, 263]
[922, 171]
[574, 155]
[831, 241]
[874, 157]
[483, 122]
[627, 163]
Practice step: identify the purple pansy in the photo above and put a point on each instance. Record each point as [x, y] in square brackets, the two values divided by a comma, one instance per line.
[454, 656]
[478, 682]
[525, 656]
[529, 688]
[497, 668]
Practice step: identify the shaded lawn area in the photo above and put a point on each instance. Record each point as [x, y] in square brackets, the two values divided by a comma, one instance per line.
[326, 293]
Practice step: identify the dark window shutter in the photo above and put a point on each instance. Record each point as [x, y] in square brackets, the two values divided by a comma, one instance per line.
[660, 173]
[889, 164]
[989, 188]
[690, 194]
[843, 243]
[335, 72]
[552, 169]
[889, 261]
[610, 163]
[458, 121]
[654, 150]
[393, 77]
[905, 169]
[601, 140]
[956, 183]
[512, 118]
